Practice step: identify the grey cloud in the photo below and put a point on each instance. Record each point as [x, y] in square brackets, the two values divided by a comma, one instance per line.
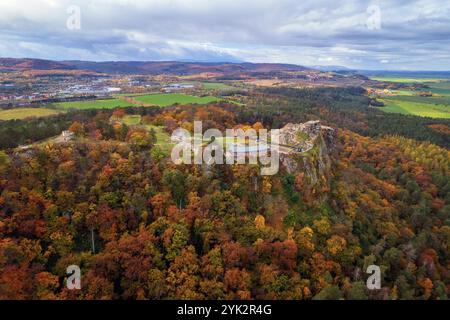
[413, 34]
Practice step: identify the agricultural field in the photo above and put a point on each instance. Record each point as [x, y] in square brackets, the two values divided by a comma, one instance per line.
[437, 105]
[406, 80]
[93, 104]
[168, 99]
[133, 100]
[416, 108]
[440, 88]
[23, 113]
[216, 86]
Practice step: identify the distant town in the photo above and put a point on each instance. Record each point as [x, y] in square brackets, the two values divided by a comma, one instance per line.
[28, 82]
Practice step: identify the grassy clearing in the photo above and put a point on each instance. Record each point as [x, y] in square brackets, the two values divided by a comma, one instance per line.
[132, 120]
[93, 104]
[168, 99]
[23, 113]
[162, 138]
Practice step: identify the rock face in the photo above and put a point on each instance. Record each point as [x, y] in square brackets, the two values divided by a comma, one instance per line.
[302, 136]
[310, 144]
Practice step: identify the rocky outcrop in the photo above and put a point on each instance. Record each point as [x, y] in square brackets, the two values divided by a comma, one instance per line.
[310, 146]
[302, 136]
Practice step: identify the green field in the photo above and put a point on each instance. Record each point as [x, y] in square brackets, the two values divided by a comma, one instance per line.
[92, 104]
[22, 113]
[406, 80]
[402, 92]
[416, 108]
[121, 95]
[440, 88]
[406, 101]
[162, 100]
[168, 99]
[415, 98]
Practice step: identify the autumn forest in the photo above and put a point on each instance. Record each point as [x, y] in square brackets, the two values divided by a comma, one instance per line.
[111, 201]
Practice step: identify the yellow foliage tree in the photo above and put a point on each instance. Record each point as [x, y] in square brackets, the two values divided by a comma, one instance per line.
[336, 244]
[304, 240]
[260, 222]
[322, 226]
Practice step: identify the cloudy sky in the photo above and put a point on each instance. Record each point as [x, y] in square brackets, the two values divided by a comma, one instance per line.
[376, 34]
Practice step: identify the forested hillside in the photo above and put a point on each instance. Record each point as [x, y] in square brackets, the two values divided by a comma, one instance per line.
[112, 202]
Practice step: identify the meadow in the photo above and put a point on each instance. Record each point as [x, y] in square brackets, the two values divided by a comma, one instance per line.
[92, 104]
[168, 99]
[23, 113]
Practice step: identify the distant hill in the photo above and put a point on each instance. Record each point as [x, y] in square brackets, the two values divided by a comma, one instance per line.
[174, 67]
[146, 67]
[13, 64]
